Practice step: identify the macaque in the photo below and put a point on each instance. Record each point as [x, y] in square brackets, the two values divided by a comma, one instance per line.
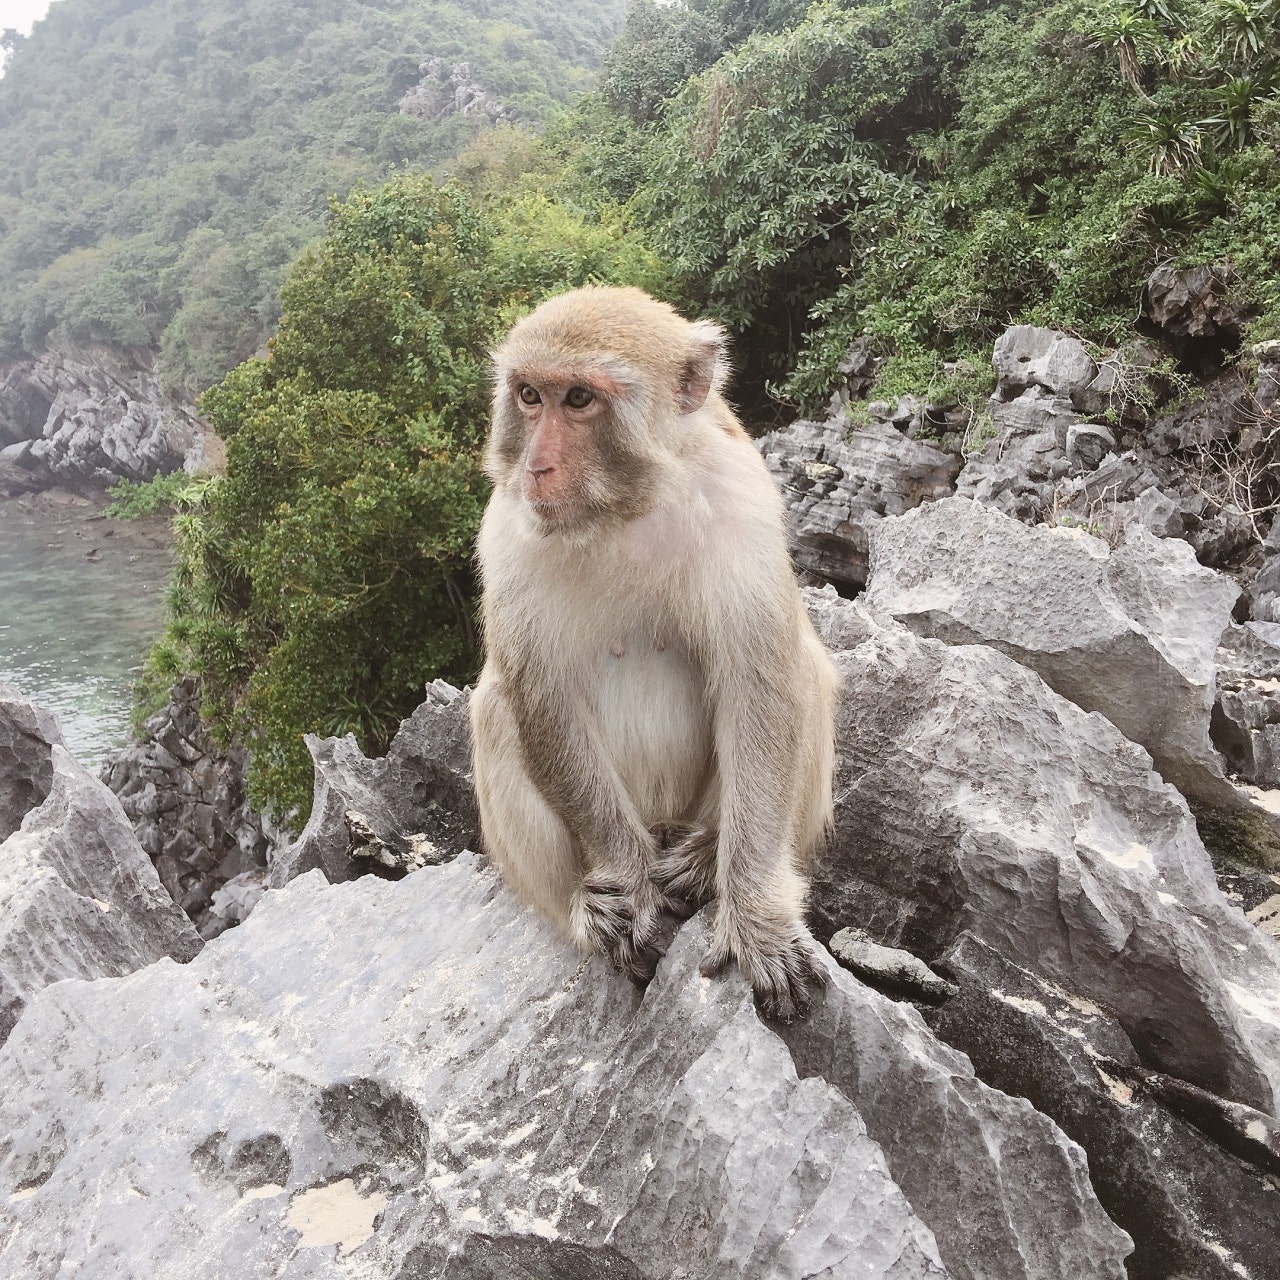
[653, 728]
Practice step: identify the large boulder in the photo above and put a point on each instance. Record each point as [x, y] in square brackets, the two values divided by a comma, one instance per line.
[78, 897]
[839, 483]
[1027, 356]
[971, 796]
[419, 1080]
[1192, 1207]
[28, 734]
[1194, 302]
[412, 807]
[1131, 632]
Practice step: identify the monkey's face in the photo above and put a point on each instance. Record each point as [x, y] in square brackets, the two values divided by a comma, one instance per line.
[565, 441]
[590, 396]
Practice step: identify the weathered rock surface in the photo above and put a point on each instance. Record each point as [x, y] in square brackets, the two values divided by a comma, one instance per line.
[464, 1096]
[415, 803]
[454, 92]
[1131, 632]
[1026, 356]
[28, 734]
[91, 414]
[1246, 720]
[971, 796]
[187, 802]
[1193, 302]
[1191, 1208]
[78, 897]
[839, 482]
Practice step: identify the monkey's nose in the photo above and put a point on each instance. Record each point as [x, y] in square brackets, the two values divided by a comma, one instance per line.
[538, 472]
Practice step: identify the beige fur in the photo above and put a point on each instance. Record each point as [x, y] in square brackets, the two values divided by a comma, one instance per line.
[660, 665]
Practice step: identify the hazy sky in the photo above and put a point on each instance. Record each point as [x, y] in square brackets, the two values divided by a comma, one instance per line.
[21, 13]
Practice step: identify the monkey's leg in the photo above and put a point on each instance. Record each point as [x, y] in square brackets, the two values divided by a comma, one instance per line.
[614, 908]
[760, 723]
[522, 835]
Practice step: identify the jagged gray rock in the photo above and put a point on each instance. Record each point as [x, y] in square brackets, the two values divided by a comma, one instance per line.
[28, 734]
[466, 1096]
[1246, 720]
[420, 791]
[1193, 302]
[78, 897]
[456, 92]
[1191, 1208]
[971, 796]
[188, 804]
[1026, 356]
[838, 482]
[1131, 632]
[95, 414]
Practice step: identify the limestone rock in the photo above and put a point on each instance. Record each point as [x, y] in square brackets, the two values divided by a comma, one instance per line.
[1193, 302]
[466, 1097]
[1026, 356]
[419, 792]
[1131, 632]
[1246, 723]
[95, 414]
[78, 897]
[838, 483]
[187, 801]
[971, 796]
[455, 92]
[28, 734]
[1191, 1207]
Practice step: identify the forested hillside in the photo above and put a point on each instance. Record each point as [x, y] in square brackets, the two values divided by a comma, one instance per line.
[910, 176]
[164, 160]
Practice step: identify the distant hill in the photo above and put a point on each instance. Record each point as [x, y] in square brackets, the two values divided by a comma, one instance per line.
[164, 160]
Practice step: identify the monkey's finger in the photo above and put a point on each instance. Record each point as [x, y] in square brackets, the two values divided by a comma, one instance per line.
[713, 964]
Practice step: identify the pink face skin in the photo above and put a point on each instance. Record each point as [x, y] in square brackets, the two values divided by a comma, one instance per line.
[561, 416]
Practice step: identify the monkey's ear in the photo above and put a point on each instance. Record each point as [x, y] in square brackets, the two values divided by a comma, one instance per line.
[706, 347]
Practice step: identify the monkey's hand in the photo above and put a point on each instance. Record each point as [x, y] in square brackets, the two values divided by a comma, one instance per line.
[685, 870]
[621, 920]
[780, 959]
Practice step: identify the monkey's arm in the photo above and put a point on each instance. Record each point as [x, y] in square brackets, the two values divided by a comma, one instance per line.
[758, 683]
[616, 907]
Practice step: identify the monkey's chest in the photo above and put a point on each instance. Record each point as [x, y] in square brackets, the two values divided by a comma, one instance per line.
[657, 729]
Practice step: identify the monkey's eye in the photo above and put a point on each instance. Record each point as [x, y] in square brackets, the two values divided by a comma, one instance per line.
[528, 395]
[579, 397]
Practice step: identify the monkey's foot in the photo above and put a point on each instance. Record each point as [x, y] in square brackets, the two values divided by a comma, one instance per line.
[622, 922]
[783, 969]
[685, 870]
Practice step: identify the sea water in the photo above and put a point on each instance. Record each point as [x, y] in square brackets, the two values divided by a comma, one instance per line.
[81, 602]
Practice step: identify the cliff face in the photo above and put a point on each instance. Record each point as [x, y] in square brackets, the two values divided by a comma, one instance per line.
[94, 414]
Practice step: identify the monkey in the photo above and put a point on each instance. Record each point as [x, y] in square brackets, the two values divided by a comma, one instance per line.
[653, 727]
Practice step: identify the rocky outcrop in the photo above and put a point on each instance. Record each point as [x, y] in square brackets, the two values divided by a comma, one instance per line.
[838, 483]
[186, 799]
[1194, 302]
[455, 92]
[93, 415]
[1192, 1207]
[78, 897]
[971, 796]
[467, 1097]
[1246, 724]
[28, 734]
[1131, 632]
[411, 808]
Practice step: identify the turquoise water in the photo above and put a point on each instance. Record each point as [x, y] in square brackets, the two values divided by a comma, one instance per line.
[81, 600]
